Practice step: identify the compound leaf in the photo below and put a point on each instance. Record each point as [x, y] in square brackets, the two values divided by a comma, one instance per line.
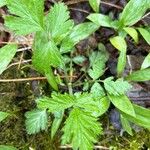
[57, 22]
[97, 64]
[3, 115]
[122, 103]
[57, 102]
[28, 17]
[133, 12]
[97, 91]
[77, 34]
[36, 120]
[81, 130]
[117, 87]
[140, 75]
[45, 55]
[6, 54]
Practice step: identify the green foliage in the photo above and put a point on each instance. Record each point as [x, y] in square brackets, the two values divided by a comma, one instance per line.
[126, 125]
[122, 103]
[56, 34]
[132, 32]
[140, 75]
[77, 34]
[56, 122]
[97, 64]
[81, 130]
[95, 4]
[36, 120]
[133, 12]
[146, 34]
[100, 19]
[141, 118]
[6, 54]
[146, 62]
[2, 3]
[119, 43]
[117, 87]
[82, 122]
[58, 102]
[4, 147]
[3, 115]
[29, 16]
[97, 91]
[58, 23]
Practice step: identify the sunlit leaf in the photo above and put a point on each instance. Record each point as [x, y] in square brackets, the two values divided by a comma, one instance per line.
[122, 103]
[36, 120]
[95, 4]
[146, 34]
[6, 54]
[100, 20]
[133, 12]
[132, 32]
[140, 75]
[146, 62]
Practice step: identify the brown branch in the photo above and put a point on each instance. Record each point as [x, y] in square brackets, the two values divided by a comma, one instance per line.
[102, 2]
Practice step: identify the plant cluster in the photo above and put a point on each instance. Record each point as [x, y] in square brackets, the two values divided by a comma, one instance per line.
[55, 36]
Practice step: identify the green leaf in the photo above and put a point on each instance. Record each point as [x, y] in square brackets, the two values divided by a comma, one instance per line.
[100, 20]
[6, 54]
[3, 115]
[141, 111]
[126, 125]
[140, 75]
[87, 102]
[81, 130]
[2, 3]
[122, 103]
[97, 64]
[5, 147]
[28, 17]
[142, 116]
[36, 120]
[146, 34]
[117, 87]
[45, 55]
[56, 122]
[97, 91]
[77, 34]
[146, 62]
[57, 102]
[132, 32]
[121, 63]
[103, 105]
[79, 59]
[119, 43]
[58, 23]
[51, 79]
[95, 5]
[133, 12]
